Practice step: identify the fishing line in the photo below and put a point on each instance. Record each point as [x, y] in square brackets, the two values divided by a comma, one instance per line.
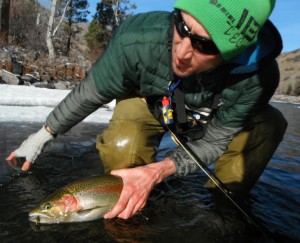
[215, 180]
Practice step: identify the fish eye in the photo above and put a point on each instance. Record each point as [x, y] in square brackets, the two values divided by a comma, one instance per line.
[47, 206]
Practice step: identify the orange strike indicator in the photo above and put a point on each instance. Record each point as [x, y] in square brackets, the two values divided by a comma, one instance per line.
[167, 111]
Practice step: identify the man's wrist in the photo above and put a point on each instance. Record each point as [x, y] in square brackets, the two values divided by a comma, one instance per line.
[48, 129]
[164, 169]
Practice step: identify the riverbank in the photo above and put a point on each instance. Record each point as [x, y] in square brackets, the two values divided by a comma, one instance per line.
[286, 99]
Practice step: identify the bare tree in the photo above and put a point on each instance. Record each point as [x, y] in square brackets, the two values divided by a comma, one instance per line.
[116, 10]
[51, 31]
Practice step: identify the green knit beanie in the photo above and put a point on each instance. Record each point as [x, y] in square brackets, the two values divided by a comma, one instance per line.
[232, 24]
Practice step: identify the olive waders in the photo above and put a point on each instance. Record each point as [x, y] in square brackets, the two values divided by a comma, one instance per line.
[133, 136]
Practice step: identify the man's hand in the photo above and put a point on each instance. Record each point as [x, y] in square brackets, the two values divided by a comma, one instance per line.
[138, 182]
[31, 148]
[12, 161]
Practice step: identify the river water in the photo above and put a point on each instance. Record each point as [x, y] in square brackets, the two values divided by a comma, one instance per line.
[178, 210]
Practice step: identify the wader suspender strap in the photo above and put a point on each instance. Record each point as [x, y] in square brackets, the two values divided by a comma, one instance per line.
[178, 93]
[216, 100]
[180, 106]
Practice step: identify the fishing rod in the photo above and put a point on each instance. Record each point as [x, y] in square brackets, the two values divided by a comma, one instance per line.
[214, 178]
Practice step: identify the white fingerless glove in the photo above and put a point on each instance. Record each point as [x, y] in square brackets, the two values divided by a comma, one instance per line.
[33, 146]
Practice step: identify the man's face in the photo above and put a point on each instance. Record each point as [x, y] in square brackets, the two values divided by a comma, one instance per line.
[185, 59]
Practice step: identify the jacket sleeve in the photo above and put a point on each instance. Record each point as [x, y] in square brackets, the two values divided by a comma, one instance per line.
[208, 149]
[104, 83]
[134, 61]
[78, 104]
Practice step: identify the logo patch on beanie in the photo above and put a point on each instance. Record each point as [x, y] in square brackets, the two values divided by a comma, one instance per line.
[241, 29]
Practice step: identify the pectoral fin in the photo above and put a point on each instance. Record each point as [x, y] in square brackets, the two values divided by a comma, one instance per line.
[93, 213]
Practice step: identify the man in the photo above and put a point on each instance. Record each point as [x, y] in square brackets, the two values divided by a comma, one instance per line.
[214, 62]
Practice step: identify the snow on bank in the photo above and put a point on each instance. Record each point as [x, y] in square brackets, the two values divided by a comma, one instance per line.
[30, 104]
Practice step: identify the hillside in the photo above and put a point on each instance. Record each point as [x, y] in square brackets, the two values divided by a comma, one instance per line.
[289, 64]
[74, 67]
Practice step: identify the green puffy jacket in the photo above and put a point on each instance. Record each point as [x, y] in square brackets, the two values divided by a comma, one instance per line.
[137, 60]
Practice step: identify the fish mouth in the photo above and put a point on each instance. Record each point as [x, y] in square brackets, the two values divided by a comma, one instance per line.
[45, 217]
[35, 219]
[42, 218]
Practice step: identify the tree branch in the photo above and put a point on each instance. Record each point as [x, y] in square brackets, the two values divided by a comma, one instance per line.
[61, 19]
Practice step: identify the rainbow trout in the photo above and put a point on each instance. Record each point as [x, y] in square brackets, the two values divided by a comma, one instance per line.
[82, 200]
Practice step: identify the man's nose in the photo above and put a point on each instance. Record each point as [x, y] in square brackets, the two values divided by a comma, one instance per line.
[185, 49]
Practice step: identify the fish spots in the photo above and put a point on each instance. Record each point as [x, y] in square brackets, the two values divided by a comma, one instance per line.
[103, 189]
[93, 182]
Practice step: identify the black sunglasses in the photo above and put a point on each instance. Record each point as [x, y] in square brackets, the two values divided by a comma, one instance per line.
[199, 43]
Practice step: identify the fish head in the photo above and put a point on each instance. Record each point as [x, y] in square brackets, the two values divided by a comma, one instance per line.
[57, 208]
[82, 200]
